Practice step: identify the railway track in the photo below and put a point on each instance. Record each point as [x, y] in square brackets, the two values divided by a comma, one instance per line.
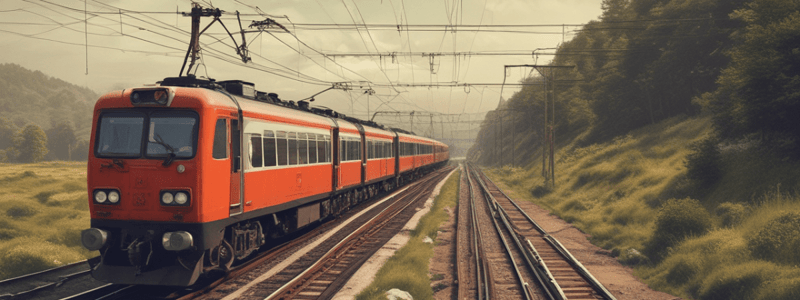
[487, 248]
[338, 253]
[554, 272]
[56, 283]
[328, 274]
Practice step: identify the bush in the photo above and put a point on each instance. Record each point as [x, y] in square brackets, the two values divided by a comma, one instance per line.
[780, 289]
[731, 213]
[737, 281]
[574, 204]
[7, 234]
[703, 164]
[677, 219]
[540, 191]
[681, 271]
[20, 211]
[779, 240]
[44, 196]
[72, 186]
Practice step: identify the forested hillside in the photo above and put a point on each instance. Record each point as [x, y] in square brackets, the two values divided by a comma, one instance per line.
[648, 60]
[677, 143]
[61, 110]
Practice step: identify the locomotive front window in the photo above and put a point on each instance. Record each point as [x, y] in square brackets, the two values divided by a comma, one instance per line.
[171, 133]
[120, 135]
[163, 134]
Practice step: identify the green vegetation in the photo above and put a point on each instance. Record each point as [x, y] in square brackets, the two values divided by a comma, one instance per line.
[734, 239]
[408, 268]
[43, 208]
[677, 144]
[60, 113]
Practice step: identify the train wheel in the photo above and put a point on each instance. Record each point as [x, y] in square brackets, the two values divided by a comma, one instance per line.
[222, 255]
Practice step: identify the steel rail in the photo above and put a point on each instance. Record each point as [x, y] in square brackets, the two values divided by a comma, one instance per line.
[599, 287]
[372, 226]
[544, 279]
[496, 212]
[461, 272]
[483, 284]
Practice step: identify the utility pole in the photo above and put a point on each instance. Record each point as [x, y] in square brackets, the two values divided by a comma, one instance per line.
[513, 139]
[412, 121]
[548, 169]
[544, 134]
[432, 136]
[501, 138]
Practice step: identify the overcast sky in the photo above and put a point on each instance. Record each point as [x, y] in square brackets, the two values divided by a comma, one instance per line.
[128, 49]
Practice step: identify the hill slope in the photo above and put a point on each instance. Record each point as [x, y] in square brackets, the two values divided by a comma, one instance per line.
[33, 97]
[623, 191]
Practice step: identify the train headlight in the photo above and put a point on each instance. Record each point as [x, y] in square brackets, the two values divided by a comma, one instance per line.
[160, 96]
[167, 198]
[93, 238]
[113, 197]
[181, 198]
[176, 197]
[176, 241]
[100, 196]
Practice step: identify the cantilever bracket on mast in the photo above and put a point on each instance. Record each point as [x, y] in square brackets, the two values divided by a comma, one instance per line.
[194, 43]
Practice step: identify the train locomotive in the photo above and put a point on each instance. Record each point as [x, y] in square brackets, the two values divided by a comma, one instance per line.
[191, 175]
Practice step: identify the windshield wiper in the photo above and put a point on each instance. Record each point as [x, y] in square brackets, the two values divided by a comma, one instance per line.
[170, 150]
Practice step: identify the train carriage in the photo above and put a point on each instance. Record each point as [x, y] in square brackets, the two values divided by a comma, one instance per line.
[380, 157]
[194, 174]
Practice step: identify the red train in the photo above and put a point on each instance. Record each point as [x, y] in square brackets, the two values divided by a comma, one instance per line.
[193, 174]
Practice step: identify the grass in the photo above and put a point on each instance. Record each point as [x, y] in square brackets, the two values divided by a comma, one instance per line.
[43, 208]
[407, 270]
[615, 190]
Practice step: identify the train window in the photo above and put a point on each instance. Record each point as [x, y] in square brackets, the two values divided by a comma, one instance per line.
[351, 150]
[283, 153]
[291, 137]
[348, 144]
[269, 149]
[172, 133]
[370, 153]
[220, 140]
[312, 148]
[256, 151]
[302, 147]
[120, 135]
[357, 151]
[342, 149]
[322, 144]
[328, 150]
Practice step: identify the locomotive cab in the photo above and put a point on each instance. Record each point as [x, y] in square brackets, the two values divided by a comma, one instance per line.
[143, 186]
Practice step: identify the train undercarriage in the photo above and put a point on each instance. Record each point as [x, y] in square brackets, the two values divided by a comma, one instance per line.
[140, 254]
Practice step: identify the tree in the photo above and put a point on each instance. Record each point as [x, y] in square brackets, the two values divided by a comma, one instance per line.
[81, 150]
[61, 140]
[760, 90]
[31, 144]
[7, 131]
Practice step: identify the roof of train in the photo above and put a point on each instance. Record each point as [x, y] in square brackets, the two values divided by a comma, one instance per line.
[274, 111]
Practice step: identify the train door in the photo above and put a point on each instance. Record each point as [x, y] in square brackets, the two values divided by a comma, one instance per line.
[336, 159]
[384, 171]
[236, 168]
[396, 154]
